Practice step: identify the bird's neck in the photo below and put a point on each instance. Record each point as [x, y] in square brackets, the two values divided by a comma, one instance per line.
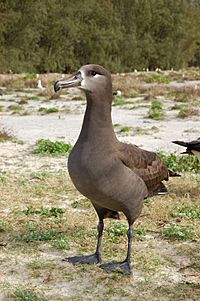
[97, 123]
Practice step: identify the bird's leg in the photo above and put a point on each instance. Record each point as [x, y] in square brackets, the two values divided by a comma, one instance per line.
[124, 266]
[94, 258]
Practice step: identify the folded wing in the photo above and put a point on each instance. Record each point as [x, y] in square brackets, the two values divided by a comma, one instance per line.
[146, 165]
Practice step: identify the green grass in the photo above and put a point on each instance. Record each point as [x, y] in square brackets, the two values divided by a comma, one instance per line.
[34, 97]
[119, 101]
[29, 76]
[178, 232]
[34, 244]
[189, 212]
[3, 178]
[177, 292]
[47, 147]
[182, 97]
[15, 107]
[118, 229]
[157, 78]
[156, 110]
[125, 129]
[2, 225]
[141, 131]
[45, 212]
[42, 175]
[180, 163]
[23, 294]
[61, 243]
[83, 203]
[35, 234]
[32, 233]
[48, 110]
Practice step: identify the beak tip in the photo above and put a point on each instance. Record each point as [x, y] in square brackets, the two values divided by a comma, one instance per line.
[56, 87]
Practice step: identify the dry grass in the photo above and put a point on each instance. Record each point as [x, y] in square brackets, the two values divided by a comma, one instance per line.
[33, 245]
[5, 134]
[130, 84]
[186, 112]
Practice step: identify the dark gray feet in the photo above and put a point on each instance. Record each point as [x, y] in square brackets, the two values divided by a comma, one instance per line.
[121, 267]
[89, 259]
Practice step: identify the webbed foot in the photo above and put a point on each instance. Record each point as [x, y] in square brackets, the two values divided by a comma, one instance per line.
[88, 259]
[123, 267]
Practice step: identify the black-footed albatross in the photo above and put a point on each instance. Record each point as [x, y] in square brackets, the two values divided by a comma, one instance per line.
[115, 176]
[192, 147]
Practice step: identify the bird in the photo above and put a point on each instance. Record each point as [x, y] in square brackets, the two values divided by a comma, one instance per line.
[115, 176]
[192, 147]
[39, 84]
[117, 93]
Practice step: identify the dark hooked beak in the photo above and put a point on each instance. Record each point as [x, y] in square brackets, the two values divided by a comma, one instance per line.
[73, 81]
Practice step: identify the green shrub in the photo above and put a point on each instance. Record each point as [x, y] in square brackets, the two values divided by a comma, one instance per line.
[156, 110]
[47, 147]
[180, 163]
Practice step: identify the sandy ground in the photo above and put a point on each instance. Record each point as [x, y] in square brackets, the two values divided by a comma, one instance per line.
[66, 125]
[58, 278]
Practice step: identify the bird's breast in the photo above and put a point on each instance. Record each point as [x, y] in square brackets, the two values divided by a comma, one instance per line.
[88, 168]
[104, 179]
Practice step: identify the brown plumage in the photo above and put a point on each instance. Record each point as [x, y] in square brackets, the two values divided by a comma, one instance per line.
[115, 176]
[192, 147]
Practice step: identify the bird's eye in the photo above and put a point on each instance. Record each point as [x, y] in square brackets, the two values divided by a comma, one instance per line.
[77, 75]
[93, 73]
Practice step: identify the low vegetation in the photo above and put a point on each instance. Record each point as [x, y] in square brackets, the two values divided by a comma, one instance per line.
[180, 163]
[15, 107]
[157, 78]
[189, 212]
[5, 135]
[119, 101]
[37, 233]
[186, 112]
[23, 294]
[43, 219]
[45, 212]
[156, 110]
[48, 110]
[178, 232]
[47, 147]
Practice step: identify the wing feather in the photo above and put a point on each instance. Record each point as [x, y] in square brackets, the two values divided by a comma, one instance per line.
[145, 164]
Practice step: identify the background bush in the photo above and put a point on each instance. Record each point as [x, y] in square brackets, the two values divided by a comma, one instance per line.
[123, 35]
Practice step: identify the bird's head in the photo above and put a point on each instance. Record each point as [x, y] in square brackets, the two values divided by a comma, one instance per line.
[90, 78]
